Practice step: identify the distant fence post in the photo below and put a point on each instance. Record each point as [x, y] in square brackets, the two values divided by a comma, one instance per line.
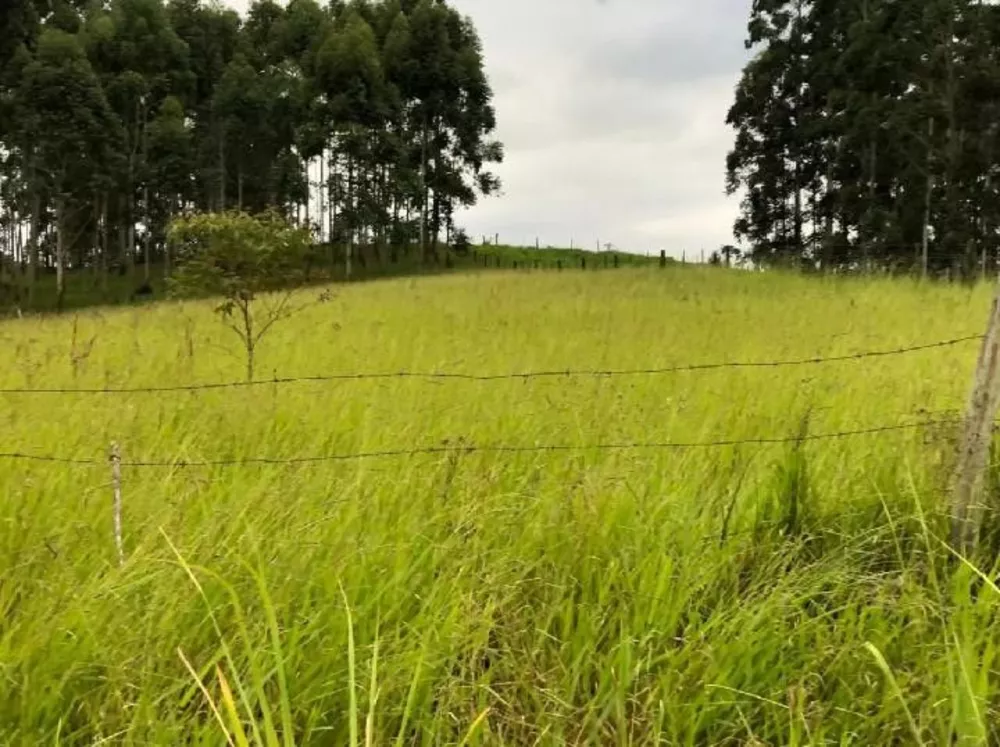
[663, 257]
[583, 262]
[559, 264]
[116, 486]
[496, 239]
[616, 261]
[977, 433]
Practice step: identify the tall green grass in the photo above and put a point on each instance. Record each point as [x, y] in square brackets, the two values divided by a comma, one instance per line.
[782, 594]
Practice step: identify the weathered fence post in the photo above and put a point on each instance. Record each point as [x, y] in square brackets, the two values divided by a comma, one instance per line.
[583, 262]
[977, 432]
[559, 264]
[616, 261]
[663, 257]
[116, 486]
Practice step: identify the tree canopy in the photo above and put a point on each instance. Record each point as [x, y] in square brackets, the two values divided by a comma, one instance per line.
[867, 135]
[370, 121]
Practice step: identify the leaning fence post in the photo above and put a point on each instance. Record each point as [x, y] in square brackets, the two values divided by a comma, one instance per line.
[116, 484]
[977, 433]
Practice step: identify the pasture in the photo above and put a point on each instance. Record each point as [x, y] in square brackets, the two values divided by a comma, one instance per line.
[663, 589]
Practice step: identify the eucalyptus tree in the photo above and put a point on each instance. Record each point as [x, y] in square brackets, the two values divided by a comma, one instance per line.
[175, 106]
[80, 139]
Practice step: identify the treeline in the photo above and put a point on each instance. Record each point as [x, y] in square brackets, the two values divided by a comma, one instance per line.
[117, 115]
[868, 135]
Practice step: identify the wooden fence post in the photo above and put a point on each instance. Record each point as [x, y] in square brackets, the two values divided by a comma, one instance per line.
[583, 262]
[977, 433]
[116, 485]
[663, 257]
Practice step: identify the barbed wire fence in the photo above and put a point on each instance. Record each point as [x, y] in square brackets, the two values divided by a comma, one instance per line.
[523, 375]
[982, 409]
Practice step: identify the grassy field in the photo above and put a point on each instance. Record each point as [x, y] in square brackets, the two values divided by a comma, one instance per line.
[748, 594]
[85, 290]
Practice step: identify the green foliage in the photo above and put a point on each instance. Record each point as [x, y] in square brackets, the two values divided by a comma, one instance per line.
[240, 257]
[236, 255]
[866, 135]
[203, 110]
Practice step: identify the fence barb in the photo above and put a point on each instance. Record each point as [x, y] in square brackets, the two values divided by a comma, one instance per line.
[526, 375]
[488, 449]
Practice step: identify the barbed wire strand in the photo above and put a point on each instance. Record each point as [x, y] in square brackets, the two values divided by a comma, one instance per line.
[473, 449]
[526, 375]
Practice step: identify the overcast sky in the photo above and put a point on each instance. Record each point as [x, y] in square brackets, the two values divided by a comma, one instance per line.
[613, 116]
[612, 113]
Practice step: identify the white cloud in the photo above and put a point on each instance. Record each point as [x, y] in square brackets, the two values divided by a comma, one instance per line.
[613, 116]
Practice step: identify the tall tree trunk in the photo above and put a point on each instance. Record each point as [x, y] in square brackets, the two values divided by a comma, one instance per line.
[173, 210]
[928, 191]
[147, 235]
[36, 222]
[424, 191]
[352, 206]
[122, 231]
[102, 243]
[239, 186]
[308, 195]
[322, 191]
[332, 196]
[222, 170]
[130, 229]
[797, 211]
[60, 251]
[146, 211]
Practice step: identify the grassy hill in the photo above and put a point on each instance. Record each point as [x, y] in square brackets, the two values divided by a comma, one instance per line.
[567, 559]
[84, 288]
